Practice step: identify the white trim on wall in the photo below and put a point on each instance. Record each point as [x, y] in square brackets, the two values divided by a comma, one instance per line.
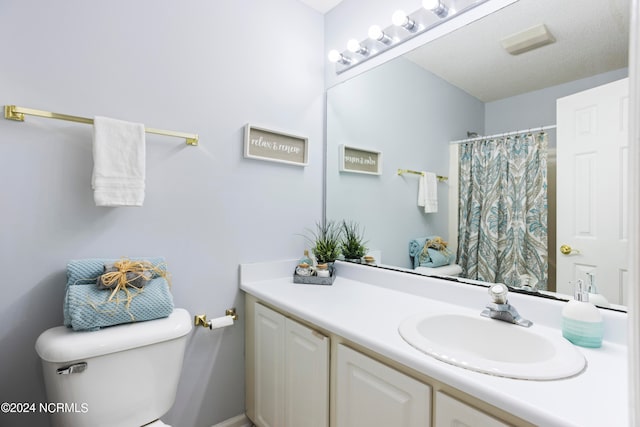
[633, 327]
[237, 421]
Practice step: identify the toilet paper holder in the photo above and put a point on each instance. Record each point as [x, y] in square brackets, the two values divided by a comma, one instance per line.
[229, 317]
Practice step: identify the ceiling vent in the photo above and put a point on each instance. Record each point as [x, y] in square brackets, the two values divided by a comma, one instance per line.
[527, 40]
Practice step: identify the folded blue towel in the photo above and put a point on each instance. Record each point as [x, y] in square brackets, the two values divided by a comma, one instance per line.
[433, 258]
[416, 245]
[87, 308]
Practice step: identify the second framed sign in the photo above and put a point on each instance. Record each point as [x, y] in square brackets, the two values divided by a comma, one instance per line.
[360, 160]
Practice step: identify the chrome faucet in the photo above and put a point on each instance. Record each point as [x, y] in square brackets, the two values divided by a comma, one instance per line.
[501, 309]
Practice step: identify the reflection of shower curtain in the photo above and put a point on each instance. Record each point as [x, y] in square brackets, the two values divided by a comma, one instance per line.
[503, 210]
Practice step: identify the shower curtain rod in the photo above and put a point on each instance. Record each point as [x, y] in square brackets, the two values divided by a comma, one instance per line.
[515, 132]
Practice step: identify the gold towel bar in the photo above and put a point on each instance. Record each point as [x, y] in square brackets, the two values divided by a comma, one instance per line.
[11, 112]
[438, 177]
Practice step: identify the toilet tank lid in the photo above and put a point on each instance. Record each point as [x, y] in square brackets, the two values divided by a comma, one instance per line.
[62, 344]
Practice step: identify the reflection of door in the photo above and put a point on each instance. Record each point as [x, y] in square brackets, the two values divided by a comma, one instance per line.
[592, 184]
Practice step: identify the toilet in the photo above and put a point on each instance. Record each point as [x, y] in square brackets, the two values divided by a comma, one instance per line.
[120, 376]
[453, 270]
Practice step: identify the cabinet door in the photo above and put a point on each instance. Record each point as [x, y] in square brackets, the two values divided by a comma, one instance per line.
[269, 349]
[306, 377]
[370, 394]
[451, 412]
[291, 372]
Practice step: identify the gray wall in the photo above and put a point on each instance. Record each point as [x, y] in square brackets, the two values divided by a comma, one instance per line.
[410, 115]
[200, 66]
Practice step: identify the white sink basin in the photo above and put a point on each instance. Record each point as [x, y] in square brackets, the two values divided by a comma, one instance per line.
[492, 346]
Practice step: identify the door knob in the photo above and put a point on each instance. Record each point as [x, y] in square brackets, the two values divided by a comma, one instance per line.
[566, 250]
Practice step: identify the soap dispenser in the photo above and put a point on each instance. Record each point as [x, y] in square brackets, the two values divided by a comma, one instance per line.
[305, 265]
[581, 320]
[594, 297]
[306, 259]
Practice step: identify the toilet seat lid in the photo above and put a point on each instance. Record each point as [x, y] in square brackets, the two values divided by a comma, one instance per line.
[157, 423]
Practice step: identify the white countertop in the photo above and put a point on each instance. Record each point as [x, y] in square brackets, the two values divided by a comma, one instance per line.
[365, 305]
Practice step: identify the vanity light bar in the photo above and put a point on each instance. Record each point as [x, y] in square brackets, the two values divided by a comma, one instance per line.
[404, 27]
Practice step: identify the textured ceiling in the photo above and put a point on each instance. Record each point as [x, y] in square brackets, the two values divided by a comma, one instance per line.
[591, 38]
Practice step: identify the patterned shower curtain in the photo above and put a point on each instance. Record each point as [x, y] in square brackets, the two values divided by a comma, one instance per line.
[503, 210]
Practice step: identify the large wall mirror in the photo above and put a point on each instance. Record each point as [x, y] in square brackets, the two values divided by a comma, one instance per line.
[411, 108]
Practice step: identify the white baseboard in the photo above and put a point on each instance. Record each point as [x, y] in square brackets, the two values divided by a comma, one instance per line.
[237, 421]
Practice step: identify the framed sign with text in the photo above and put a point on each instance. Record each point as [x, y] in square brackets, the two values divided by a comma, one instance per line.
[360, 160]
[275, 146]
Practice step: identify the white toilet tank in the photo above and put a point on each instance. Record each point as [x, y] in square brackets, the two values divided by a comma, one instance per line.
[124, 375]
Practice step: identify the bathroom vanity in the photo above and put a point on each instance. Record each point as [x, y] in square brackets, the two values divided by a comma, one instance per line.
[333, 356]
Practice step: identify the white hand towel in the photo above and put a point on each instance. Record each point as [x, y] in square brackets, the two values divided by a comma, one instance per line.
[428, 192]
[118, 162]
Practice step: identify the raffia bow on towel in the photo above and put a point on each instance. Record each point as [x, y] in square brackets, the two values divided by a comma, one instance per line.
[126, 276]
[436, 243]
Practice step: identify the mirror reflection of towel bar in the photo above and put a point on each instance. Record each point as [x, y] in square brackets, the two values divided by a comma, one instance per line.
[438, 177]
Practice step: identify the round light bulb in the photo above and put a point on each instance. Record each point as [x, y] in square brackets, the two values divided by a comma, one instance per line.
[354, 46]
[334, 56]
[399, 18]
[430, 4]
[375, 32]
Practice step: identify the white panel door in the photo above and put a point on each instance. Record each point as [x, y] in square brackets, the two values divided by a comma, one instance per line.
[269, 350]
[370, 394]
[306, 377]
[451, 412]
[592, 153]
